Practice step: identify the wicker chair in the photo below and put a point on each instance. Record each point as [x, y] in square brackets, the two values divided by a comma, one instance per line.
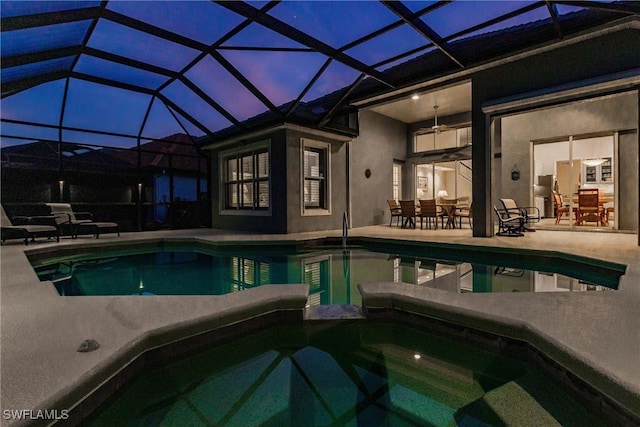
[429, 210]
[465, 212]
[396, 212]
[409, 213]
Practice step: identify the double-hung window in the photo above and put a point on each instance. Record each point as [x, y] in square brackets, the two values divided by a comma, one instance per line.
[245, 179]
[248, 273]
[315, 180]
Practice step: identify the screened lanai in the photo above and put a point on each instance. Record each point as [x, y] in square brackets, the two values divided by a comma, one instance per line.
[106, 105]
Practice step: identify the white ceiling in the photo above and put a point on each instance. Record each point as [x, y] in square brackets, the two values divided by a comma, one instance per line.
[450, 100]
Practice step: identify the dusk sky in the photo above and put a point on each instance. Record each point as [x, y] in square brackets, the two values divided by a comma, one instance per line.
[280, 75]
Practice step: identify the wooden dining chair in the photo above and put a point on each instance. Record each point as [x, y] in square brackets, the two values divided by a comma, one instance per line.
[589, 208]
[560, 209]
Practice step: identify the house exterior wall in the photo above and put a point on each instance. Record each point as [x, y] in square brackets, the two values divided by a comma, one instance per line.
[381, 141]
[628, 180]
[286, 214]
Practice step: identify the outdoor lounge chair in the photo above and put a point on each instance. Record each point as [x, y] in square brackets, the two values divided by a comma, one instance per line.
[509, 225]
[73, 223]
[27, 227]
[530, 214]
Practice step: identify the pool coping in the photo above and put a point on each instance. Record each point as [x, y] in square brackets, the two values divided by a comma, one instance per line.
[612, 396]
[28, 292]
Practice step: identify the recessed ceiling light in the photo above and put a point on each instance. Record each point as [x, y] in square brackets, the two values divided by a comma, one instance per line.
[415, 96]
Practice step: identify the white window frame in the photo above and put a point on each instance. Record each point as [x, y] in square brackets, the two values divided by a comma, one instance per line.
[222, 168]
[326, 177]
[316, 290]
[396, 181]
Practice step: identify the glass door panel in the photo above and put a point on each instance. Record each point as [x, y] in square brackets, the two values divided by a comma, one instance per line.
[566, 167]
[597, 171]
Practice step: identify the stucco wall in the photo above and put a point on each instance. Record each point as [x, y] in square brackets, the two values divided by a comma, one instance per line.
[381, 140]
[296, 222]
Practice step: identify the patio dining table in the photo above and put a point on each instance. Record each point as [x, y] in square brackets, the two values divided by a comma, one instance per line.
[449, 208]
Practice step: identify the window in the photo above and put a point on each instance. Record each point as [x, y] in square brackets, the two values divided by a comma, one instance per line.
[315, 171]
[397, 181]
[316, 275]
[450, 138]
[245, 179]
[248, 273]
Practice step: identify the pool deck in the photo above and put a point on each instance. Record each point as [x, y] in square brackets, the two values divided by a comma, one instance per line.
[41, 331]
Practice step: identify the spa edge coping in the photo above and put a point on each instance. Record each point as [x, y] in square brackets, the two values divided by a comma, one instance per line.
[259, 303]
[501, 321]
[244, 312]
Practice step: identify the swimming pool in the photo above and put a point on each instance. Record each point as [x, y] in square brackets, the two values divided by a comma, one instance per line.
[332, 273]
[358, 373]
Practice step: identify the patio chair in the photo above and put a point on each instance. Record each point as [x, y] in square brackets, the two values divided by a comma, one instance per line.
[22, 227]
[530, 213]
[509, 225]
[465, 212]
[74, 223]
[409, 213]
[428, 210]
[396, 212]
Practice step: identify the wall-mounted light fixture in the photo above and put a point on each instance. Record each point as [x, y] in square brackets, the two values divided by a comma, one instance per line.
[515, 173]
[61, 188]
[415, 96]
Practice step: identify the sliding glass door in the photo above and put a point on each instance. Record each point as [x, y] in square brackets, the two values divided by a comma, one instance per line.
[563, 169]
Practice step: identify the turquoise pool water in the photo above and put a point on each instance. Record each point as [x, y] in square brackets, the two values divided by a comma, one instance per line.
[332, 274]
[357, 374]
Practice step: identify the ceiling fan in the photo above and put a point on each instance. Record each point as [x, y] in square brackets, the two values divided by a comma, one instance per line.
[436, 127]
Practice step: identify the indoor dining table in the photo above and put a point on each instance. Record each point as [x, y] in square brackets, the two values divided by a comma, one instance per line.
[602, 200]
